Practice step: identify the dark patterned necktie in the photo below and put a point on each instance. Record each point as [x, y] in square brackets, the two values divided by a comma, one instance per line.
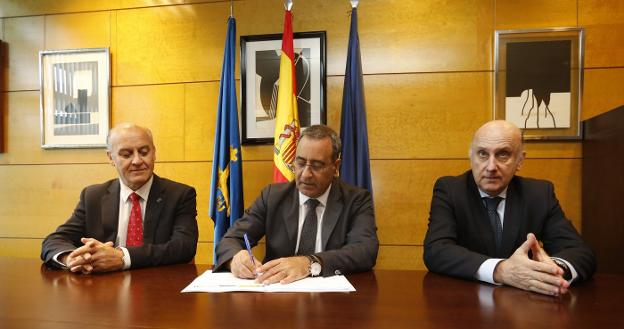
[307, 241]
[497, 226]
[135, 223]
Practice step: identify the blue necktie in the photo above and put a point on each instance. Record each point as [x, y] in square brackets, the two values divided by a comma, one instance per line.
[307, 240]
[497, 226]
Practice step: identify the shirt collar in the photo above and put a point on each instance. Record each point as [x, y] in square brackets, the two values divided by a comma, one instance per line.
[502, 194]
[322, 198]
[143, 191]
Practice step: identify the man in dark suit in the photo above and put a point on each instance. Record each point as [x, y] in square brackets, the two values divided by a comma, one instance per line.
[316, 225]
[487, 224]
[134, 221]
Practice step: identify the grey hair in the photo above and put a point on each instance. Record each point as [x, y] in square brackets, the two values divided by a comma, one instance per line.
[323, 131]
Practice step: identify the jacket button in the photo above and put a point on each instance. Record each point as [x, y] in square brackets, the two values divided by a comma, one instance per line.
[337, 272]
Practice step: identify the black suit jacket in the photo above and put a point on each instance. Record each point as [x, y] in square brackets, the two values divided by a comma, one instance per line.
[460, 238]
[349, 233]
[169, 227]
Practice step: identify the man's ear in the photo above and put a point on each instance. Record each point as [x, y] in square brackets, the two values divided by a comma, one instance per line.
[520, 161]
[337, 164]
[110, 158]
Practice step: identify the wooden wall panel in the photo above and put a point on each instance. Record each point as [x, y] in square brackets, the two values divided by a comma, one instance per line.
[604, 24]
[84, 30]
[428, 84]
[410, 116]
[603, 91]
[43, 197]
[20, 248]
[170, 44]
[24, 38]
[535, 14]
[24, 135]
[159, 107]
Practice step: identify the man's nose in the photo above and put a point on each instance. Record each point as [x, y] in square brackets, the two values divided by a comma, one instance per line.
[491, 163]
[136, 158]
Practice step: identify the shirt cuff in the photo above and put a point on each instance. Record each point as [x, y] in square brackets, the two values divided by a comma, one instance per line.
[572, 270]
[485, 272]
[126, 258]
[56, 258]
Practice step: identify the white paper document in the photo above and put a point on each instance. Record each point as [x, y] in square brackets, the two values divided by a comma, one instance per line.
[225, 281]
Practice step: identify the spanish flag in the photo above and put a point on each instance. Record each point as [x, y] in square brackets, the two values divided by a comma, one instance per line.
[287, 128]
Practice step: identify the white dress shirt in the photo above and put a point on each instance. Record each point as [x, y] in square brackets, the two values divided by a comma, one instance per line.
[320, 210]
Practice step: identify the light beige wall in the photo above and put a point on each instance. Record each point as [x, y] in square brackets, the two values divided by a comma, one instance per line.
[428, 78]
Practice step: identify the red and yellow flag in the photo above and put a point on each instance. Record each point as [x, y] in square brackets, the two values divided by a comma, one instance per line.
[287, 128]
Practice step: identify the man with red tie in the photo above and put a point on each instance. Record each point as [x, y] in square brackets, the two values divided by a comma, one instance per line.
[137, 220]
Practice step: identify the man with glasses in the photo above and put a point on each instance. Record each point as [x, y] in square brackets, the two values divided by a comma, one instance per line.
[487, 224]
[316, 225]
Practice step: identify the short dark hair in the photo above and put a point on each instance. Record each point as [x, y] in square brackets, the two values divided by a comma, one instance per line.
[323, 131]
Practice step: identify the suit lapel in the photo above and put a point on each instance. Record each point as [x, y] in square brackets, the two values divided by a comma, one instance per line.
[110, 211]
[479, 213]
[155, 203]
[291, 216]
[333, 208]
[512, 219]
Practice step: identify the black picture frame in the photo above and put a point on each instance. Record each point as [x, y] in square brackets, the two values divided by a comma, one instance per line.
[260, 58]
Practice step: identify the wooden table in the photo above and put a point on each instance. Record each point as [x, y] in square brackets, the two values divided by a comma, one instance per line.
[32, 296]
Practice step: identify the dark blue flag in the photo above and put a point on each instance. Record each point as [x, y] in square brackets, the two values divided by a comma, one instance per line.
[355, 166]
[226, 188]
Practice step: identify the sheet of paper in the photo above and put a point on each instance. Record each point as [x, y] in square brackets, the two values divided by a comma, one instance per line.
[225, 281]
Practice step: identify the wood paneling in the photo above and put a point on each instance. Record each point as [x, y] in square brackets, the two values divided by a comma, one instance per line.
[170, 44]
[603, 90]
[43, 196]
[84, 30]
[535, 14]
[24, 39]
[24, 135]
[428, 86]
[603, 21]
[159, 107]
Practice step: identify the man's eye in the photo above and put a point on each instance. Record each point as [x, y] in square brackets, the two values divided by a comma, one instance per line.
[503, 155]
[482, 154]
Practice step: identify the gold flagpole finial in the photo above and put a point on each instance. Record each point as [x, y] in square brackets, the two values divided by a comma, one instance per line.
[288, 5]
[354, 3]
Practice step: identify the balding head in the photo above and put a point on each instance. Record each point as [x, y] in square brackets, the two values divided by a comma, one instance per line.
[496, 154]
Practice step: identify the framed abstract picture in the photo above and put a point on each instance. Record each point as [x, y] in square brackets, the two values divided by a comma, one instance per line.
[260, 61]
[75, 97]
[538, 81]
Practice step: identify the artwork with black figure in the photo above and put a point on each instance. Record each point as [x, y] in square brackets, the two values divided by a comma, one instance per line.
[267, 71]
[538, 88]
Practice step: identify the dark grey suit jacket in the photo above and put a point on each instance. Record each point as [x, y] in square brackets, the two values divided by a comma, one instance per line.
[349, 233]
[169, 227]
[460, 238]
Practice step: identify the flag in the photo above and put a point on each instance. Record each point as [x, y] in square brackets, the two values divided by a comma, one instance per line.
[226, 188]
[355, 165]
[287, 127]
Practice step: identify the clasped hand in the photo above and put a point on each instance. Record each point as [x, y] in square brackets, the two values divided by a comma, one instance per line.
[539, 274]
[94, 256]
[283, 270]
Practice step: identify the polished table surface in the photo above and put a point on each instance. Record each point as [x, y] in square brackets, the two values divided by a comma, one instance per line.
[32, 296]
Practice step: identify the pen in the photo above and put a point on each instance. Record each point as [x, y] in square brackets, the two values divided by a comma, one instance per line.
[249, 249]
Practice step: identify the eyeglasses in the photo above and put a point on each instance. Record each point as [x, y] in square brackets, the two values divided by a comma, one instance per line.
[315, 166]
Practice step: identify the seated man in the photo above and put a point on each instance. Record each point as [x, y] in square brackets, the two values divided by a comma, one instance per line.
[316, 225]
[134, 221]
[487, 223]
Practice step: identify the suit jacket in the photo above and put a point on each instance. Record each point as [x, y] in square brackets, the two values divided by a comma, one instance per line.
[169, 226]
[349, 234]
[460, 238]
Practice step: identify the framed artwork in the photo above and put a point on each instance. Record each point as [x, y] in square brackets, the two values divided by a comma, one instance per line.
[538, 81]
[75, 94]
[260, 61]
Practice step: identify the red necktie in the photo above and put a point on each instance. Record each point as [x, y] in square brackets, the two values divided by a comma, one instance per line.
[135, 224]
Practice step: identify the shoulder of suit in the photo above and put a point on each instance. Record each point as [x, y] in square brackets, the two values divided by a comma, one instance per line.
[527, 182]
[102, 186]
[168, 183]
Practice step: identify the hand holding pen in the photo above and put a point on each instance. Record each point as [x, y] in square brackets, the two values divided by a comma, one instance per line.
[244, 264]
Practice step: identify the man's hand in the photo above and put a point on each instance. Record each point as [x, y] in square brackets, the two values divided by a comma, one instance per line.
[284, 270]
[94, 256]
[540, 275]
[241, 265]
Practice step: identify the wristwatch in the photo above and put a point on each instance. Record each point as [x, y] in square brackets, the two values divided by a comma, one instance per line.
[315, 265]
[567, 274]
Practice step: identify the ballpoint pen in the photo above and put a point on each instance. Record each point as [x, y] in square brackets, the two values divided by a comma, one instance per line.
[249, 249]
